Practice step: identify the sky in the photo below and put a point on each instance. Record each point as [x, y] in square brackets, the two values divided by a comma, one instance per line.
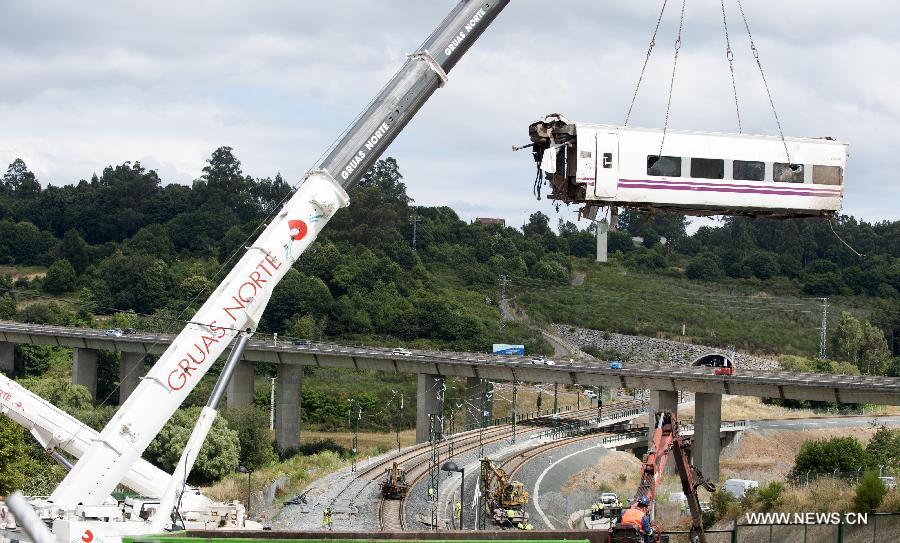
[87, 85]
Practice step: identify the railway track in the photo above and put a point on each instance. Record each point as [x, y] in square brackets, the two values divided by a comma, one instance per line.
[417, 461]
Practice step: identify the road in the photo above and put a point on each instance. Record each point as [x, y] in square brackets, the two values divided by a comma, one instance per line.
[549, 508]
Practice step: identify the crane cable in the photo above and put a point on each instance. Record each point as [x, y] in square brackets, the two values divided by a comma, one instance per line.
[646, 60]
[672, 81]
[730, 56]
[762, 73]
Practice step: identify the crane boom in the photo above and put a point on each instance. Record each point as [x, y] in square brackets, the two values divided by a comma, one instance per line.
[238, 302]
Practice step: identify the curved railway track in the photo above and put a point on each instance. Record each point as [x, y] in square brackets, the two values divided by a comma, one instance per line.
[416, 461]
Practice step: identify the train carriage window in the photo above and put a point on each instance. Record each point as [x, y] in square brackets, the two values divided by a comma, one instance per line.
[664, 166]
[708, 168]
[748, 170]
[828, 175]
[787, 173]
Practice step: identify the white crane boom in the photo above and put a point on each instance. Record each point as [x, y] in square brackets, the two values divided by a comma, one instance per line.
[238, 302]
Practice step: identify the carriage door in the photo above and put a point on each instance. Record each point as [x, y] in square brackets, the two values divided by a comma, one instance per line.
[607, 165]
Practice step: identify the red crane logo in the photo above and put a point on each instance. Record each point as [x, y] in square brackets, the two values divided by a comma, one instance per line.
[297, 229]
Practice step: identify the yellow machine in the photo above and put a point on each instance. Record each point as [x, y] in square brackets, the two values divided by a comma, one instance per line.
[505, 499]
[394, 485]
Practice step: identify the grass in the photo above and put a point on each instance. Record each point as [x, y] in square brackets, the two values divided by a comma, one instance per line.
[752, 408]
[752, 316]
[28, 272]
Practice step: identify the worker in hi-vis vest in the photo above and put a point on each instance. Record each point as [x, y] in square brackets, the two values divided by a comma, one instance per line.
[637, 516]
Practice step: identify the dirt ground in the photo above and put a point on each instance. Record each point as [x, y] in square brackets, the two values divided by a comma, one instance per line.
[768, 455]
[749, 407]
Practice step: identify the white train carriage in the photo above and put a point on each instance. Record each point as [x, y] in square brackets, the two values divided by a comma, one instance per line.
[697, 173]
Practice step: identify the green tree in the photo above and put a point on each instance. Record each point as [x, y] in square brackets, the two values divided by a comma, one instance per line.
[761, 265]
[74, 249]
[60, 277]
[20, 179]
[884, 449]
[218, 456]
[13, 454]
[869, 493]
[254, 436]
[847, 338]
[538, 225]
[824, 456]
[704, 267]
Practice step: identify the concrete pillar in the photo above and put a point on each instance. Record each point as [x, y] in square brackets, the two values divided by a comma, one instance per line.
[475, 391]
[84, 369]
[7, 358]
[602, 238]
[240, 389]
[288, 383]
[131, 369]
[662, 400]
[707, 423]
[428, 400]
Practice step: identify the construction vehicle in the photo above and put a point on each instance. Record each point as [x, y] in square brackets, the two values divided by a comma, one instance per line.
[666, 441]
[394, 485]
[505, 500]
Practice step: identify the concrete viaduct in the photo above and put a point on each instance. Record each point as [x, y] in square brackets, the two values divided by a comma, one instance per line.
[432, 367]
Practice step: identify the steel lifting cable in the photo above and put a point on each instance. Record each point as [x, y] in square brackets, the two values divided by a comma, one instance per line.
[646, 60]
[672, 81]
[730, 56]
[762, 73]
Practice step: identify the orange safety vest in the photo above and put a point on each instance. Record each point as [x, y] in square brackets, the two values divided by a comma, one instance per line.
[633, 516]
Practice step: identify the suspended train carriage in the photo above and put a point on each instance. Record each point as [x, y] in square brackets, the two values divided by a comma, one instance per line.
[695, 174]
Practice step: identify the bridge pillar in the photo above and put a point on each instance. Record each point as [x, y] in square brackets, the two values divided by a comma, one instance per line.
[84, 369]
[479, 393]
[661, 400]
[240, 389]
[707, 424]
[131, 368]
[288, 383]
[429, 390]
[7, 358]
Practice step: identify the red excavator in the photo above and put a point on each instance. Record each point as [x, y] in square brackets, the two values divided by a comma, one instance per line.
[666, 441]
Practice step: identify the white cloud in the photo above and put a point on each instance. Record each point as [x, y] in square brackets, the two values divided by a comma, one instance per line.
[88, 85]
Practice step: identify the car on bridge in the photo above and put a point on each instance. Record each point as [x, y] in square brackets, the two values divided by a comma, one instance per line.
[114, 332]
[615, 365]
[401, 351]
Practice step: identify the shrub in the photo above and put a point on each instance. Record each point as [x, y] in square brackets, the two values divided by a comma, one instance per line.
[218, 456]
[770, 494]
[60, 277]
[705, 267]
[252, 427]
[825, 456]
[762, 265]
[869, 493]
[316, 447]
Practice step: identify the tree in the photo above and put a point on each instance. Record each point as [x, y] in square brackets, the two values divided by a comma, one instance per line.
[13, 453]
[74, 249]
[884, 449]
[60, 277]
[869, 493]
[844, 454]
[218, 456]
[19, 179]
[252, 427]
[704, 267]
[538, 225]
[847, 338]
[761, 265]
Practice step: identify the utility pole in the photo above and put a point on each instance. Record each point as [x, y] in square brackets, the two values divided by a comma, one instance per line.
[824, 337]
[399, 421]
[353, 447]
[415, 221]
[514, 414]
[272, 406]
[555, 391]
[434, 469]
